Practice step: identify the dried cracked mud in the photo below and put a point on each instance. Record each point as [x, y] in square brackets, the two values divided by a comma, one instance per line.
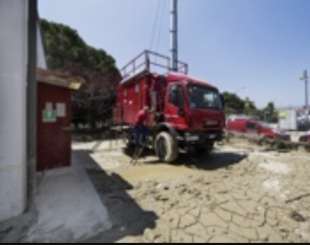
[240, 193]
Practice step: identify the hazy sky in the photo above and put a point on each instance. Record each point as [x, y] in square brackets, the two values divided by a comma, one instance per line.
[257, 48]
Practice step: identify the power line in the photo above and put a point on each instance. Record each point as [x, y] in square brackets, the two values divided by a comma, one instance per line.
[155, 24]
[162, 10]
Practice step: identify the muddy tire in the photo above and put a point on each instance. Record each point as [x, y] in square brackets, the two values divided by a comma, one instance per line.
[166, 147]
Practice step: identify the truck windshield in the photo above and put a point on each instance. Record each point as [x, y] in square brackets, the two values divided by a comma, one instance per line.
[202, 97]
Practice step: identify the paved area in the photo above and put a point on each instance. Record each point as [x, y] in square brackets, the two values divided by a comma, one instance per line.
[241, 193]
[68, 207]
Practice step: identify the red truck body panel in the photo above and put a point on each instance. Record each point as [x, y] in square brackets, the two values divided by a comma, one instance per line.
[132, 96]
[135, 93]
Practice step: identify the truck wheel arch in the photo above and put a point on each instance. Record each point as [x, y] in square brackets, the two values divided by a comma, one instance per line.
[165, 127]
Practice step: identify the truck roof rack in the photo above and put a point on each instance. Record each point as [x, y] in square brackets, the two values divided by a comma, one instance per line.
[151, 62]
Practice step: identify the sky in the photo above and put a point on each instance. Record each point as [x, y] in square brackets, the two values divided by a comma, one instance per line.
[255, 48]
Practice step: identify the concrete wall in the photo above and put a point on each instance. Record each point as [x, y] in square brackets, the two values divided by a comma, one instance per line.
[13, 73]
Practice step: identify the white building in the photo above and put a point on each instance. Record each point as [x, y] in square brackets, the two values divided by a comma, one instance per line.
[14, 56]
[288, 119]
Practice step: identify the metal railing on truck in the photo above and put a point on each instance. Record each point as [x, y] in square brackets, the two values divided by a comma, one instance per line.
[152, 62]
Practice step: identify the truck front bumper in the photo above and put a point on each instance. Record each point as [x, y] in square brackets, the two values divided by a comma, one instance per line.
[200, 137]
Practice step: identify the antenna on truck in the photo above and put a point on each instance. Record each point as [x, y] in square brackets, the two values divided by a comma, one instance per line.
[174, 34]
[148, 60]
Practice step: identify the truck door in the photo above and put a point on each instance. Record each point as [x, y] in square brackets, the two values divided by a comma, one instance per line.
[174, 109]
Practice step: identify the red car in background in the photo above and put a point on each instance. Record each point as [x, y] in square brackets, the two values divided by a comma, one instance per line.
[252, 126]
[305, 138]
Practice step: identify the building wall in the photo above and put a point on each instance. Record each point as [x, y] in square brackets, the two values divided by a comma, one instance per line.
[13, 82]
[53, 140]
[288, 119]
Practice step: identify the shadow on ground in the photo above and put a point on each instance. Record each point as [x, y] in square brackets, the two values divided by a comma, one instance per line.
[127, 217]
[213, 161]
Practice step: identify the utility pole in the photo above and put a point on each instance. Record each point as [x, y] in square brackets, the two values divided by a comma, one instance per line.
[174, 35]
[305, 78]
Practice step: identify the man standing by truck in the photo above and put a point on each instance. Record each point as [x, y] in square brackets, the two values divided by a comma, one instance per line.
[140, 132]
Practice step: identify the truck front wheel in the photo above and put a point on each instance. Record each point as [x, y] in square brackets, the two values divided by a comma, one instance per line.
[166, 147]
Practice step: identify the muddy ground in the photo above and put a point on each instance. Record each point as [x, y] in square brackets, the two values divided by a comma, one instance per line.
[240, 193]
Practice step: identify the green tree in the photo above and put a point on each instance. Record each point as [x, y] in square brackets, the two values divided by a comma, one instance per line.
[250, 108]
[270, 113]
[236, 105]
[66, 51]
[233, 103]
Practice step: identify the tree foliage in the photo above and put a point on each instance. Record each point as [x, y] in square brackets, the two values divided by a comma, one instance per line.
[270, 113]
[236, 105]
[233, 103]
[67, 51]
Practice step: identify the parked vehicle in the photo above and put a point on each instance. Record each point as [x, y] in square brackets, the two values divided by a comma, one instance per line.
[305, 138]
[186, 114]
[251, 126]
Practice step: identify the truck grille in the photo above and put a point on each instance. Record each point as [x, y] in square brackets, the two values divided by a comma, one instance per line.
[211, 124]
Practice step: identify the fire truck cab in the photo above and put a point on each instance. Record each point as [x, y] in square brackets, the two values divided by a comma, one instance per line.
[185, 114]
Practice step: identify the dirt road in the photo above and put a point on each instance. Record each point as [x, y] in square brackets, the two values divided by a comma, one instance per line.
[240, 193]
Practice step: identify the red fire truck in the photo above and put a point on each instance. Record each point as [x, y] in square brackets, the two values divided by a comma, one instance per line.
[186, 114]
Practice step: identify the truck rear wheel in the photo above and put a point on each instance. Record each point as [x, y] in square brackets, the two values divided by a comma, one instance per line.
[166, 147]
